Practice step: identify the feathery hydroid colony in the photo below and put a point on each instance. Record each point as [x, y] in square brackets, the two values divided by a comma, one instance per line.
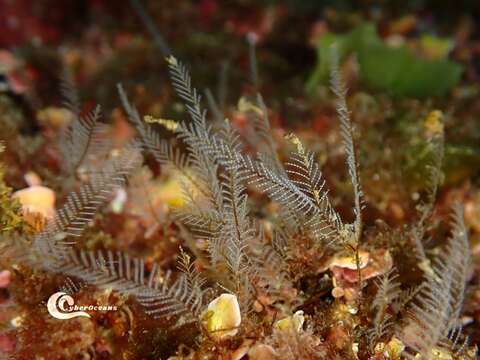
[243, 291]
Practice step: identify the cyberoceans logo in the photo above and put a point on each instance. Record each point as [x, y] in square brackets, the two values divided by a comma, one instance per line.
[56, 307]
[61, 306]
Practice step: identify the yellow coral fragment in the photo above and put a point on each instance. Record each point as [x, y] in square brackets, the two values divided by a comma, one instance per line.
[379, 348]
[17, 321]
[38, 200]
[56, 117]
[296, 141]
[294, 322]
[439, 354]
[394, 348]
[223, 316]
[426, 267]
[350, 261]
[166, 123]
[171, 193]
[244, 106]
[172, 60]
[433, 124]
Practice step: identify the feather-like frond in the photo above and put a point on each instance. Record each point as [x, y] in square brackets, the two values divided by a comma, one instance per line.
[212, 161]
[435, 310]
[182, 84]
[262, 126]
[278, 188]
[194, 278]
[305, 173]
[430, 315]
[84, 139]
[203, 223]
[270, 258]
[458, 258]
[166, 155]
[213, 106]
[70, 286]
[435, 144]
[261, 136]
[434, 168]
[388, 292]
[69, 92]
[237, 231]
[160, 296]
[82, 205]
[346, 132]
[149, 138]
[319, 218]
